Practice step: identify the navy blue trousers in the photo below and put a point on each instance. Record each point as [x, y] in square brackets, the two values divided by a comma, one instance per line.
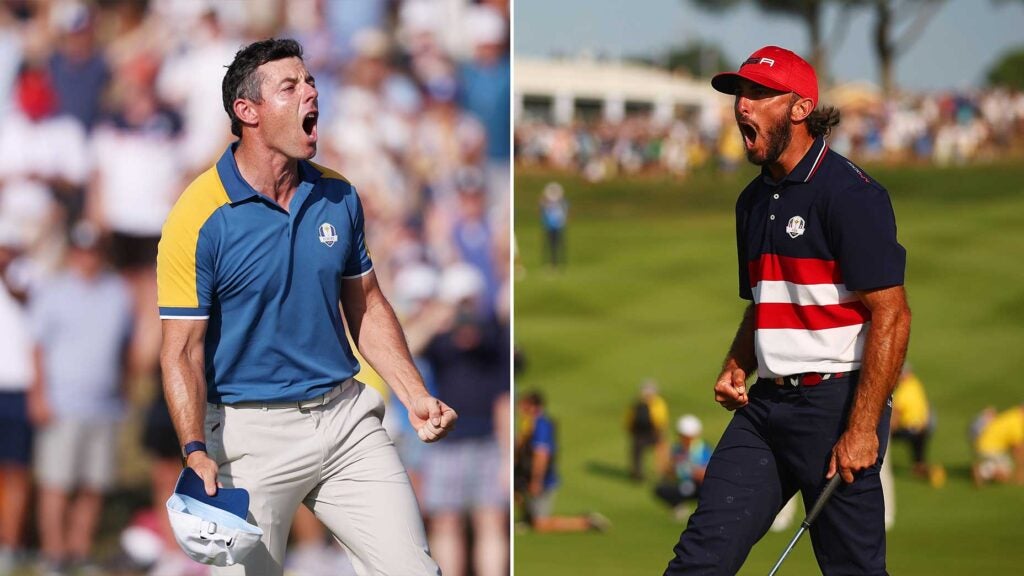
[778, 444]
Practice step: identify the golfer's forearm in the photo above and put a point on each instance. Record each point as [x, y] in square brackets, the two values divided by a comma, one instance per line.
[741, 353]
[885, 348]
[185, 391]
[382, 343]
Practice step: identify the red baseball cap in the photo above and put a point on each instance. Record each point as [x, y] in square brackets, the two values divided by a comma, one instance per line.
[776, 68]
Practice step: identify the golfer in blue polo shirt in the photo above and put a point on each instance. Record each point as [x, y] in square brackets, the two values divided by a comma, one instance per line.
[826, 332]
[255, 258]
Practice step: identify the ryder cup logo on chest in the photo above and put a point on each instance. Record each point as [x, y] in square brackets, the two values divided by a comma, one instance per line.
[328, 235]
[795, 227]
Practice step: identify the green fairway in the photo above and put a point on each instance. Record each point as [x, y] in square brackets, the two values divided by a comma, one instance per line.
[650, 291]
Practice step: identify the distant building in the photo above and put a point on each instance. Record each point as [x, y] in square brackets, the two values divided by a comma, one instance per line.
[563, 91]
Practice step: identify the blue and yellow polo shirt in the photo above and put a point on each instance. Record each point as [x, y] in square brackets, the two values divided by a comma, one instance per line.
[268, 279]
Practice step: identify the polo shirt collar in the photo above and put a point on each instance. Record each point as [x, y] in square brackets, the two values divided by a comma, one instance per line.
[238, 189]
[808, 165]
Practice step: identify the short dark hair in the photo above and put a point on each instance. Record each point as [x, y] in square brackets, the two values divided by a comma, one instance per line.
[534, 398]
[243, 80]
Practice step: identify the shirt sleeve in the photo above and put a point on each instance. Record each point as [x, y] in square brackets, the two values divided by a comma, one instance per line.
[543, 435]
[705, 455]
[862, 233]
[358, 262]
[185, 266]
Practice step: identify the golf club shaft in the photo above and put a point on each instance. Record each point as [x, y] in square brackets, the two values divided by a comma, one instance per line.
[833, 483]
[792, 542]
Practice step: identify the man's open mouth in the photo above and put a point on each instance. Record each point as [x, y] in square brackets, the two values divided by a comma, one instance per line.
[749, 134]
[309, 123]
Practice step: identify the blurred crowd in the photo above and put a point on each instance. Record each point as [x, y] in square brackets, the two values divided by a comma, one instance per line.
[109, 108]
[941, 128]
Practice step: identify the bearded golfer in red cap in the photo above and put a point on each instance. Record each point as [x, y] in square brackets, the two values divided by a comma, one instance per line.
[826, 332]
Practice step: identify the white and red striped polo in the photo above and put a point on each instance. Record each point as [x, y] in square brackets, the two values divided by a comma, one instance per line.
[806, 244]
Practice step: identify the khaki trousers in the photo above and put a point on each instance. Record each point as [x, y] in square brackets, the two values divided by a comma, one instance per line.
[336, 459]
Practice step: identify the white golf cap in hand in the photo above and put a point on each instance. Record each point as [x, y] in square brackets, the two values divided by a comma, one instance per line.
[211, 529]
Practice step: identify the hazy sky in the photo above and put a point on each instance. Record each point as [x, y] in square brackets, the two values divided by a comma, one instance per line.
[962, 40]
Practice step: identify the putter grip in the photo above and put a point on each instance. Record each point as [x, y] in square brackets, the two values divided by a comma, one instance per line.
[825, 495]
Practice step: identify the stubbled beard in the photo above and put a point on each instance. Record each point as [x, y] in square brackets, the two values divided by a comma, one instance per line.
[778, 137]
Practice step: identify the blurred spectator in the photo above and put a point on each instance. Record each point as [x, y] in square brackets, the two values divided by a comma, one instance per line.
[79, 69]
[486, 81]
[986, 415]
[731, 154]
[912, 419]
[81, 322]
[346, 18]
[15, 377]
[137, 177]
[676, 149]
[690, 456]
[447, 138]
[371, 120]
[43, 164]
[467, 474]
[536, 455]
[999, 449]
[474, 237]
[191, 80]
[554, 215]
[132, 30]
[647, 425]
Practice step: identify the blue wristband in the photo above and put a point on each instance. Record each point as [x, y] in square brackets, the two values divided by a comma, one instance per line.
[194, 446]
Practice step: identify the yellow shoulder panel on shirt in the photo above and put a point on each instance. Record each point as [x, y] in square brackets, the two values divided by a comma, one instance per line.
[328, 173]
[176, 260]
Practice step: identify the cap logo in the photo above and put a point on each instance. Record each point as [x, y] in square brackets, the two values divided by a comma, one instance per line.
[328, 235]
[795, 227]
[769, 61]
